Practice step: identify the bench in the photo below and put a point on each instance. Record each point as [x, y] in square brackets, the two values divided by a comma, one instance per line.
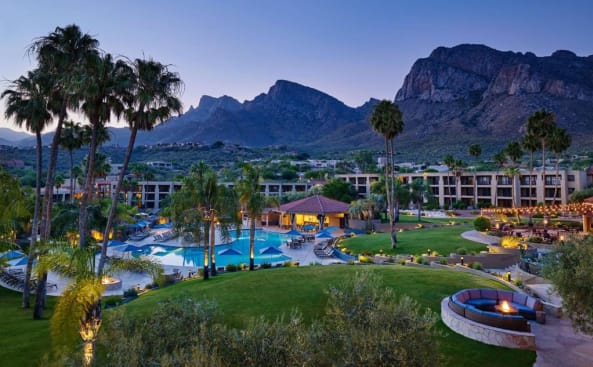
[478, 305]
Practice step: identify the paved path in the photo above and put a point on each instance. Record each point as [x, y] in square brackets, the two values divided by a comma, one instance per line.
[557, 343]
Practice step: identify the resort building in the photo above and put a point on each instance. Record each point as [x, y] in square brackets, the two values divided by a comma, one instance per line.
[489, 187]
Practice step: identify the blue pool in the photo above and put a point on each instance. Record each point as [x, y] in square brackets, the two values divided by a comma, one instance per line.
[194, 256]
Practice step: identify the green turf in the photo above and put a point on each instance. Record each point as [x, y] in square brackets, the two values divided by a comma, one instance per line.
[23, 341]
[444, 240]
[274, 292]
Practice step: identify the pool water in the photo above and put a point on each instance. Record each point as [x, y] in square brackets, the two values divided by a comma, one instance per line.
[194, 256]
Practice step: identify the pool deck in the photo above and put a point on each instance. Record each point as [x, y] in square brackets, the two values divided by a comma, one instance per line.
[304, 256]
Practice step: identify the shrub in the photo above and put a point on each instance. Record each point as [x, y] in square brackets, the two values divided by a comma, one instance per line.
[365, 259]
[535, 239]
[111, 301]
[461, 251]
[510, 242]
[366, 253]
[461, 205]
[477, 266]
[289, 264]
[519, 282]
[401, 261]
[443, 261]
[266, 266]
[231, 268]
[148, 286]
[351, 262]
[131, 293]
[482, 224]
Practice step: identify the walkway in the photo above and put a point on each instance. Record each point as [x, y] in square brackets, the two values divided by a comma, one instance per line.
[557, 343]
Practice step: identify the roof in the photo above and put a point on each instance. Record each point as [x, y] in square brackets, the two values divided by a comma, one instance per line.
[315, 204]
[588, 200]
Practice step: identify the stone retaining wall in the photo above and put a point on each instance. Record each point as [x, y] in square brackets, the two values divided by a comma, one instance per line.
[484, 333]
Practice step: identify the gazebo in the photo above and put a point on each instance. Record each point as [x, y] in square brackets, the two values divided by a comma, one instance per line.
[316, 210]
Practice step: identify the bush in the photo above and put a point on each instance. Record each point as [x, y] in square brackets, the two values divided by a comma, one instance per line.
[289, 264]
[477, 266]
[148, 286]
[366, 253]
[461, 251]
[401, 261]
[535, 239]
[461, 205]
[130, 293]
[111, 301]
[365, 259]
[266, 266]
[510, 241]
[519, 282]
[482, 224]
[443, 261]
[231, 268]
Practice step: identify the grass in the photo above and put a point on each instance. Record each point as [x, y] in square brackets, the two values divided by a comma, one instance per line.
[443, 240]
[244, 295]
[23, 341]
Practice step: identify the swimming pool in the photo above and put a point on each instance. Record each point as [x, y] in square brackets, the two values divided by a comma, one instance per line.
[194, 256]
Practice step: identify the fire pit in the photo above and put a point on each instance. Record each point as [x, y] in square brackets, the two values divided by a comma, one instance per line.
[111, 283]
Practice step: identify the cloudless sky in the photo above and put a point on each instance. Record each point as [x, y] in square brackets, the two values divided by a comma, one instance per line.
[352, 50]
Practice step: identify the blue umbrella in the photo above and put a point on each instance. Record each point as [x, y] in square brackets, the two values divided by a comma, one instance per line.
[113, 243]
[13, 254]
[331, 229]
[129, 248]
[355, 231]
[270, 250]
[308, 227]
[230, 251]
[294, 232]
[22, 261]
[323, 234]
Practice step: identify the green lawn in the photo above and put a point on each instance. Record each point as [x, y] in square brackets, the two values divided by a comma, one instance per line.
[274, 292]
[23, 341]
[444, 240]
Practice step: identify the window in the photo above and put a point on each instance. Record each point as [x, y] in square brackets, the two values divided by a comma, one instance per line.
[570, 178]
[525, 180]
[483, 180]
[504, 180]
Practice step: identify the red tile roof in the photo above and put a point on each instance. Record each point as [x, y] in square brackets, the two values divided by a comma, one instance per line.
[315, 204]
[588, 200]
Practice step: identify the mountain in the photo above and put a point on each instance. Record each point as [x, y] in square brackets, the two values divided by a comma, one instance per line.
[10, 135]
[476, 93]
[288, 114]
[451, 99]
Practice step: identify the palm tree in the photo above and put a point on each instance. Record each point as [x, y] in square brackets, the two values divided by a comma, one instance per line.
[500, 159]
[79, 307]
[530, 144]
[475, 150]
[449, 161]
[514, 151]
[559, 142]
[541, 125]
[104, 86]
[387, 121]
[419, 191]
[71, 139]
[26, 102]
[253, 203]
[513, 172]
[151, 99]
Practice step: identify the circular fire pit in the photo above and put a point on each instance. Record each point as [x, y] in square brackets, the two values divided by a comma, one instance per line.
[111, 283]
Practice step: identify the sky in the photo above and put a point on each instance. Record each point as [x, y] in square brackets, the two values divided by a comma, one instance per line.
[352, 50]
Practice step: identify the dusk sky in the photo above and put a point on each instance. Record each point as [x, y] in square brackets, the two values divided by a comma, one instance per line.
[352, 50]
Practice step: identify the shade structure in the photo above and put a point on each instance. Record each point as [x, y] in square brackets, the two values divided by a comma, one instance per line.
[13, 254]
[294, 232]
[230, 251]
[129, 248]
[308, 227]
[323, 234]
[22, 261]
[270, 250]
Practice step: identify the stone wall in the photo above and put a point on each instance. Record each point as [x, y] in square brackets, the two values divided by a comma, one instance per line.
[484, 333]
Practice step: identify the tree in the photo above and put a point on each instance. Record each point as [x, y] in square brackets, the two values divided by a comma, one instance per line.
[105, 86]
[79, 307]
[71, 139]
[449, 161]
[152, 98]
[570, 268]
[364, 160]
[513, 151]
[500, 159]
[530, 144]
[61, 56]
[560, 141]
[419, 191]
[387, 121]
[540, 125]
[253, 203]
[475, 150]
[27, 103]
[513, 173]
[339, 190]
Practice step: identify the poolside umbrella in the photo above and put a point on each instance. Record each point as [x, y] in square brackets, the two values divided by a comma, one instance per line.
[270, 250]
[324, 234]
[294, 232]
[355, 231]
[22, 261]
[13, 254]
[308, 227]
[230, 251]
[114, 243]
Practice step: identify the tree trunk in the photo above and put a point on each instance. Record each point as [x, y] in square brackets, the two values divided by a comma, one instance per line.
[388, 189]
[556, 178]
[544, 168]
[71, 178]
[394, 201]
[35, 226]
[212, 244]
[40, 297]
[206, 240]
[89, 329]
[252, 243]
[87, 192]
[530, 179]
[115, 199]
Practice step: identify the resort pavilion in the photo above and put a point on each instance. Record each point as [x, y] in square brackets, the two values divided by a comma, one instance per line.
[311, 212]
